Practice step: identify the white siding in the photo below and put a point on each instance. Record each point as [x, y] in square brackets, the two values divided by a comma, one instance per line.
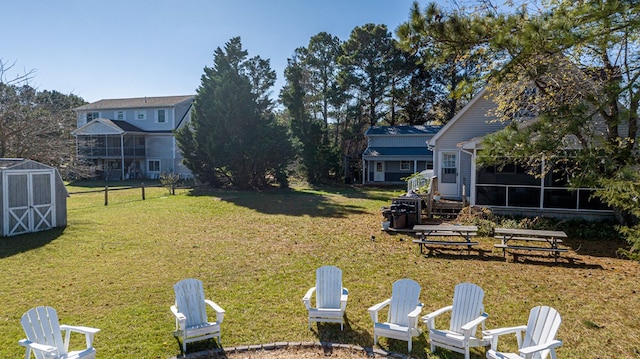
[473, 123]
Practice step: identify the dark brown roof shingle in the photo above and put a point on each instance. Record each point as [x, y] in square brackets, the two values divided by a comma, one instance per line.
[138, 102]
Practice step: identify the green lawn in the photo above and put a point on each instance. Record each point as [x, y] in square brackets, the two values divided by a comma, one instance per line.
[114, 266]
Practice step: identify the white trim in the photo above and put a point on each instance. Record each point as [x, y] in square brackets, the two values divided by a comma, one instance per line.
[444, 191]
[117, 112]
[159, 165]
[140, 115]
[166, 114]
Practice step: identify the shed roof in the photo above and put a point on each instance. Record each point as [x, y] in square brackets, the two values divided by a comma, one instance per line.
[402, 130]
[10, 162]
[138, 102]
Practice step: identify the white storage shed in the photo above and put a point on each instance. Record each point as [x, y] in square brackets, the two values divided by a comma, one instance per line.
[33, 197]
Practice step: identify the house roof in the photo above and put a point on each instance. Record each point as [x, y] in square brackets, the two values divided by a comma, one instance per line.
[106, 126]
[402, 130]
[124, 125]
[138, 102]
[397, 151]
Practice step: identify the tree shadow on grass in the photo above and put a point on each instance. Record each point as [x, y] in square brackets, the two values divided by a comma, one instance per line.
[331, 333]
[286, 201]
[565, 260]
[10, 246]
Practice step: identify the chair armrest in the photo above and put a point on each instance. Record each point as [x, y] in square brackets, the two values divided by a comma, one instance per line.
[429, 319]
[467, 328]
[413, 316]
[307, 297]
[493, 334]
[79, 329]
[373, 311]
[540, 347]
[181, 319]
[343, 298]
[87, 331]
[35, 346]
[218, 309]
[506, 330]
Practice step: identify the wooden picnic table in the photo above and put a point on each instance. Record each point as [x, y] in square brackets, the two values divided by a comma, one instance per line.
[526, 239]
[437, 232]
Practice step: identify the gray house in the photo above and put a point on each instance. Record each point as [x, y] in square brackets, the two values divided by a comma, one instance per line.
[33, 197]
[396, 152]
[510, 189]
[133, 138]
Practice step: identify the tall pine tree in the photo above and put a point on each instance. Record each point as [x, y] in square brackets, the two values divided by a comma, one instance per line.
[234, 138]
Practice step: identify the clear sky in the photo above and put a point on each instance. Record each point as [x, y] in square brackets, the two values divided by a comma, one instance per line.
[135, 48]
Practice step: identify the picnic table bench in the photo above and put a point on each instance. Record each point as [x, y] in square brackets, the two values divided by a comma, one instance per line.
[526, 240]
[452, 232]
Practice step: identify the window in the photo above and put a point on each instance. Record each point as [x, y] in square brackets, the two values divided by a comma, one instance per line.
[405, 165]
[162, 116]
[153, 165]
[140, 115]
[449, 167]
[119, 115]
[92, 116]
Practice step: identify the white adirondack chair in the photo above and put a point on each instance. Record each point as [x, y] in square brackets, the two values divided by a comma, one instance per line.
[539, 336]
[44, 336]
[404, 309]
[467, 312]
[331, 297]
[190, 310]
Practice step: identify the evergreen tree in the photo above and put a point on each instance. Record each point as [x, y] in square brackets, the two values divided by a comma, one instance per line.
[447, 43]
[234, 138]
[366, 60]
[317, 156]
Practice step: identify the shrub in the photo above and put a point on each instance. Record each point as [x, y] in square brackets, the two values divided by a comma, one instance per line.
[478, 216]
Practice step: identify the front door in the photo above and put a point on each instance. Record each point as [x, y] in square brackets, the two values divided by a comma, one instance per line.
[29, 203]
[449, 174]
[378, 171]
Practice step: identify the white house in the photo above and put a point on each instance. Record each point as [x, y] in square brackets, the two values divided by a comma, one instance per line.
[507, 190]
[396, 152]
[133, 137]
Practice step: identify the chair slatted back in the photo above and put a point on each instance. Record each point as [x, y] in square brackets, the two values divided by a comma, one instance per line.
[190, 301]
[467, 305]
[542, 327]
[41, 326]
[405, 296]
[328, 287]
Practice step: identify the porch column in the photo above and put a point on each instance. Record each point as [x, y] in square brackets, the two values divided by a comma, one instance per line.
[542, 169]
[364, 169]
[472, 181]
[122, 155]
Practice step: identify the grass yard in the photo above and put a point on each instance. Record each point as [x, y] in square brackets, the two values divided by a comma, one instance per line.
[114, 266]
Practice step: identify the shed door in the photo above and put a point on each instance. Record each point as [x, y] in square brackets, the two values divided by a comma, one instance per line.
[29, 204]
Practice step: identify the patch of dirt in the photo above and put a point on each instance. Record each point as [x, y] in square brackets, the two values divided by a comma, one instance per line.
[301, 353]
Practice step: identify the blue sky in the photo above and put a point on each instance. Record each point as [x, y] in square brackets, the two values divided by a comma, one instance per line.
[135, 48]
